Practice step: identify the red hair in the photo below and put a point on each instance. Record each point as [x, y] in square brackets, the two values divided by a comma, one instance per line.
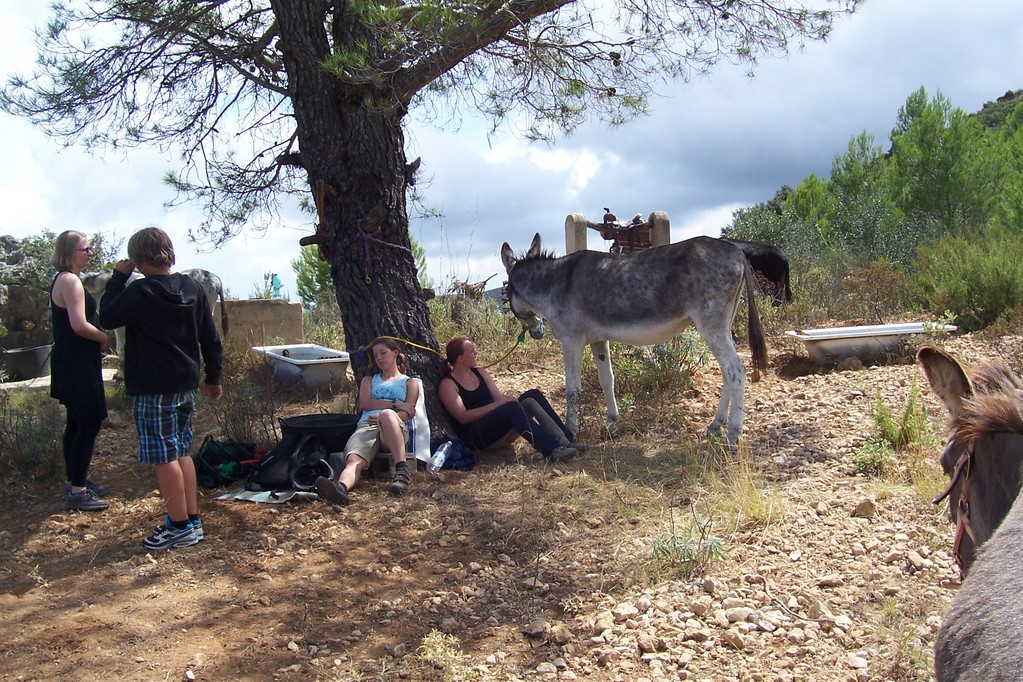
[453, 351]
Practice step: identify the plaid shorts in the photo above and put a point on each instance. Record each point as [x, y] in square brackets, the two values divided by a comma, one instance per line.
[164, 423]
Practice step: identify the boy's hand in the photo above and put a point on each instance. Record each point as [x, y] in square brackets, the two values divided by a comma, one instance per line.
[212, 391]
[125, 267]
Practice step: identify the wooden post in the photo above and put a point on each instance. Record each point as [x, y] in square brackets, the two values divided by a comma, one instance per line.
[660, 229]
[575, 232]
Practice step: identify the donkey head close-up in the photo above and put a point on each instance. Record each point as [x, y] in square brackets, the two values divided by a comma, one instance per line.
[517, 306]
[980, 636]
[984, 453]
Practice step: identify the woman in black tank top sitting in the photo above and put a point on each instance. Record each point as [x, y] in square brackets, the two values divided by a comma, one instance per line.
[483, 416]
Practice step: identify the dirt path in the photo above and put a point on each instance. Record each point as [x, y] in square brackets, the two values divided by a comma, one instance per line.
[532, 572]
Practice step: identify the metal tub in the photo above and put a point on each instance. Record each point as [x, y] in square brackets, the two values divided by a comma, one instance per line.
[305, 363]
[833, 344]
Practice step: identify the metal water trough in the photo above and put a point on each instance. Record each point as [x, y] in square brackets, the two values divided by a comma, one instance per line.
[833, 344]
[21, 364]
[306, 363]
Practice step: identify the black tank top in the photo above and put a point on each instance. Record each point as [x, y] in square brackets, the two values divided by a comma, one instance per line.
[477, 397]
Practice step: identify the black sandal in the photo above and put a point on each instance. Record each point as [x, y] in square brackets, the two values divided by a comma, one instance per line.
[401, 481]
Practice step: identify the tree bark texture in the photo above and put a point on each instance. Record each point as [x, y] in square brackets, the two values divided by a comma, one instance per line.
[352, 148]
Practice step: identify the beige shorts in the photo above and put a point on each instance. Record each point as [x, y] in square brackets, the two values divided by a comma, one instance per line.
[366, 441]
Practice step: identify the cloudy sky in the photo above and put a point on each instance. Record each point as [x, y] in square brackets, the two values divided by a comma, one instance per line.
[709, 147]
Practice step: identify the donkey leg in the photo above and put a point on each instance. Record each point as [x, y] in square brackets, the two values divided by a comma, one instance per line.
[602, 359]
[119, 340]
[733, 388]
[573, 357]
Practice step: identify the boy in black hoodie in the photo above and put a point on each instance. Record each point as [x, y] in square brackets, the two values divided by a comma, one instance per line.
[168, 325]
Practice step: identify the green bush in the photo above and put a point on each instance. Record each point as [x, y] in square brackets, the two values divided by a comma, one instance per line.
[494, 333]
[977, 279]
[910, 429]
[322, 324]
[654, 371]
[874, 458]
[686, 551]
[31, 424]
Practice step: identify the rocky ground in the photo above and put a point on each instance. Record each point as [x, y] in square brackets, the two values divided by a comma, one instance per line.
[517, 570]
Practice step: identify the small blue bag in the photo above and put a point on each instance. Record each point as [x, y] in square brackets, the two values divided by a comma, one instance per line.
[460, 458]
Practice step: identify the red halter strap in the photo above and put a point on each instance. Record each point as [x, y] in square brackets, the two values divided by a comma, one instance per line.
[962, 471]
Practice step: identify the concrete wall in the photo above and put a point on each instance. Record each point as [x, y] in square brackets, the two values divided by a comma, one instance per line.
[260, 322]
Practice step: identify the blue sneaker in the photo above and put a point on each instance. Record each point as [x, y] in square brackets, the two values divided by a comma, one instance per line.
[197, 527]
[168, 537]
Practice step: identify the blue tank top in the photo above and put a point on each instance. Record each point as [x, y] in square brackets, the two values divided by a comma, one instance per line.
[393, 389]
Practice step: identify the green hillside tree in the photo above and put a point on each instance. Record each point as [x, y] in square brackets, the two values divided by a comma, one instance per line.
[270, 98]
[312, 275]
[864, 220]
[1008, 209]
[944, 172]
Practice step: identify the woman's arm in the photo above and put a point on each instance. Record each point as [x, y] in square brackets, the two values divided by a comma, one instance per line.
[367, 401]
[495, 393]
[452, 402]
[406, 409]
[70, 293]
[366, 395]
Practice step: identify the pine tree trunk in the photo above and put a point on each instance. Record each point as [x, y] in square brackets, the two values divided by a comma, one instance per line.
[352, 147]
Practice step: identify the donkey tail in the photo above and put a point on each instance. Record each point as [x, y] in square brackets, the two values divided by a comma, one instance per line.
[788, 289]
[757, 343]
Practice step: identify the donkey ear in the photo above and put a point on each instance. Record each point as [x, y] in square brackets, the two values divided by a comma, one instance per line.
[947, 377]
[507, 257]
[534, 248]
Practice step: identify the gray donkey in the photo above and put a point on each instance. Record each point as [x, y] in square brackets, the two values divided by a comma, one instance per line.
[639, 298]
[981, 636]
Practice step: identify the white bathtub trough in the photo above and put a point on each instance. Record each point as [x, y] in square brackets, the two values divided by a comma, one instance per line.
[305, 363]
[833, 344]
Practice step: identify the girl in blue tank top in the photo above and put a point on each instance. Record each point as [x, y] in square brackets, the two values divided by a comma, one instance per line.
[387, 400]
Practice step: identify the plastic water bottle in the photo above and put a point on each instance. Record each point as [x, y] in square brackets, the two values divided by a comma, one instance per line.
[436, 462]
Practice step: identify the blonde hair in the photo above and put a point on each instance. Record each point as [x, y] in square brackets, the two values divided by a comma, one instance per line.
[152, 245]
[64, 248]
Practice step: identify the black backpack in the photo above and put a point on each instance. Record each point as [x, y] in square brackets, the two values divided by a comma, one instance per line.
[294, 464]
[223, 462]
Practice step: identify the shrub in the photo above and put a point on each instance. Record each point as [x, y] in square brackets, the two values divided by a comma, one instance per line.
[493, 332]
[442, 652]
[686, 551]
[874, 458]
[322, 324]
[876, 291]
[743, 498]
[653, 371]
[31, 424]
[247, 411]
[977, 279]
[912, 426]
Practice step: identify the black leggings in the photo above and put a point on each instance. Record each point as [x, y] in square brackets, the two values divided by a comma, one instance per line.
[496, 424]
[78, 442]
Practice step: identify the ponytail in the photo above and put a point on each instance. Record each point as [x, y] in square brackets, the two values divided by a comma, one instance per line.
[452, 351]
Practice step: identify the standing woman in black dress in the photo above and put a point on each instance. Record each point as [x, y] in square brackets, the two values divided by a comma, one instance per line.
[76, 373]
